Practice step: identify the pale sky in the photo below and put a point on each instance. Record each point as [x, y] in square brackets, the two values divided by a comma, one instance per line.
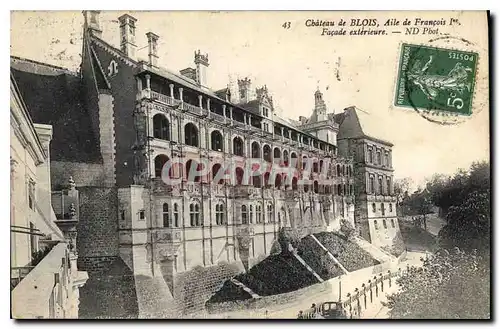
[293, 63]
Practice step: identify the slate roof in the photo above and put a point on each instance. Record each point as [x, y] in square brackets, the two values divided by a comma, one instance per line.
[359, 124]
[53, 95]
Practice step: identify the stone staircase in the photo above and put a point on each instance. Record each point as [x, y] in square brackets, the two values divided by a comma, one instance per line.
[330, 254]
[303, 262]
[245, 288]
[374, 251]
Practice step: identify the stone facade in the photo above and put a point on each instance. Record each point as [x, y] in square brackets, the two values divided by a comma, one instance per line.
[375, 211]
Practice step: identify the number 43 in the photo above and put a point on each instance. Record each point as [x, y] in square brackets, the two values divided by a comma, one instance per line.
[286, 25]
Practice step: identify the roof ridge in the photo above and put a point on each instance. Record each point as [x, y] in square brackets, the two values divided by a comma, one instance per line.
[44, 64]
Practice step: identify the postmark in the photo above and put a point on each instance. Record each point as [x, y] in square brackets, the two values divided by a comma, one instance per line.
[436, 80]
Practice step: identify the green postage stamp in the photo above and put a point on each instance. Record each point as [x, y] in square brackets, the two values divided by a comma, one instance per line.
[436, 79]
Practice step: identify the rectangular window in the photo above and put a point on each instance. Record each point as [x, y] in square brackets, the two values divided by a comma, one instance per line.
[142, 215]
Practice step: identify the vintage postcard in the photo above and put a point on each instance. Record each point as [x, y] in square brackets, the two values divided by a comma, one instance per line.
[250, 165]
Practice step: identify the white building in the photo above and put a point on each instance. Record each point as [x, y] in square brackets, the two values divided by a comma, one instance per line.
[44, 276]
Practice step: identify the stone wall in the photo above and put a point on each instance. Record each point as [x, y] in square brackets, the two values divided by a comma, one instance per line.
[84, 174]
[109, 293]
[193, 288]
[98, 223]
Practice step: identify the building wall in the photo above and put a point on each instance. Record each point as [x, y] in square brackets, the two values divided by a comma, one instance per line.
[98, 225]
[116, 113]
[22, 169]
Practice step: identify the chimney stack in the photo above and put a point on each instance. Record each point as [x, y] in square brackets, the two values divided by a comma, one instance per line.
[152, 48]
[244, 89]
[127, 35]
[201, 62]
[92, 22]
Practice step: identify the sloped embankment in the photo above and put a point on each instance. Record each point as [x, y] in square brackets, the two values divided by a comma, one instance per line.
[348, 253]
[276, 274]
[318, 259]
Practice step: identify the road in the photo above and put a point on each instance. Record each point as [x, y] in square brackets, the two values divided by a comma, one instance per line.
[434, 224]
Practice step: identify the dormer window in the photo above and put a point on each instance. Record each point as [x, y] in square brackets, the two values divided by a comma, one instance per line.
[265, 111]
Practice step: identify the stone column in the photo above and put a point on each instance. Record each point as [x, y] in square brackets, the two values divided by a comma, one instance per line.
[139, 87]
[181, 94]
[224, 112]
[231, 113]
[148, 82]
[208, 107]
[171, 86]
[200, 101]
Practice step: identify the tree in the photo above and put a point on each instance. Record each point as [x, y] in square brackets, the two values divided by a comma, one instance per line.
[468, 224]
[466, 200]
[450, 285]
[420, 204]
[401, 190]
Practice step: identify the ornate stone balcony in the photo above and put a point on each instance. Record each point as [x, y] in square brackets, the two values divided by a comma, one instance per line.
[245, 191]
[160, 188]
[164, 98]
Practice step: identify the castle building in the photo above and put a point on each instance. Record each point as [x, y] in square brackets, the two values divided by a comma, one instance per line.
[375, 209]
[182, 186]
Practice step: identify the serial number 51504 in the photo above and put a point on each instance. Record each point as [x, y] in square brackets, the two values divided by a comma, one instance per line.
[464, 57]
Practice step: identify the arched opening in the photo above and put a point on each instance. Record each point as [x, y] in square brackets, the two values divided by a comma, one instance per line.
[160, 161]
[267, 153]
[161, 127]
[338, 170]
[304, 163]
[219, 214]
[215, 172]
[321, 165]
[277, 155]
[239, 176]
[166, 216]
[191, 135]
[351, 188]
[256, 181]
[277, 181]
[238, 146]
[375, 224]
[316, 186]
[285, 181]
[315, 167]
[295, 183]
[339, 189]
[293, 160]
[285, 157]
[384, 222]
[194, 214]
[266, 179]
[382, 208]
[216, 139]
[306, 188]
[255, 150]
[193, 171]
[244, 215]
